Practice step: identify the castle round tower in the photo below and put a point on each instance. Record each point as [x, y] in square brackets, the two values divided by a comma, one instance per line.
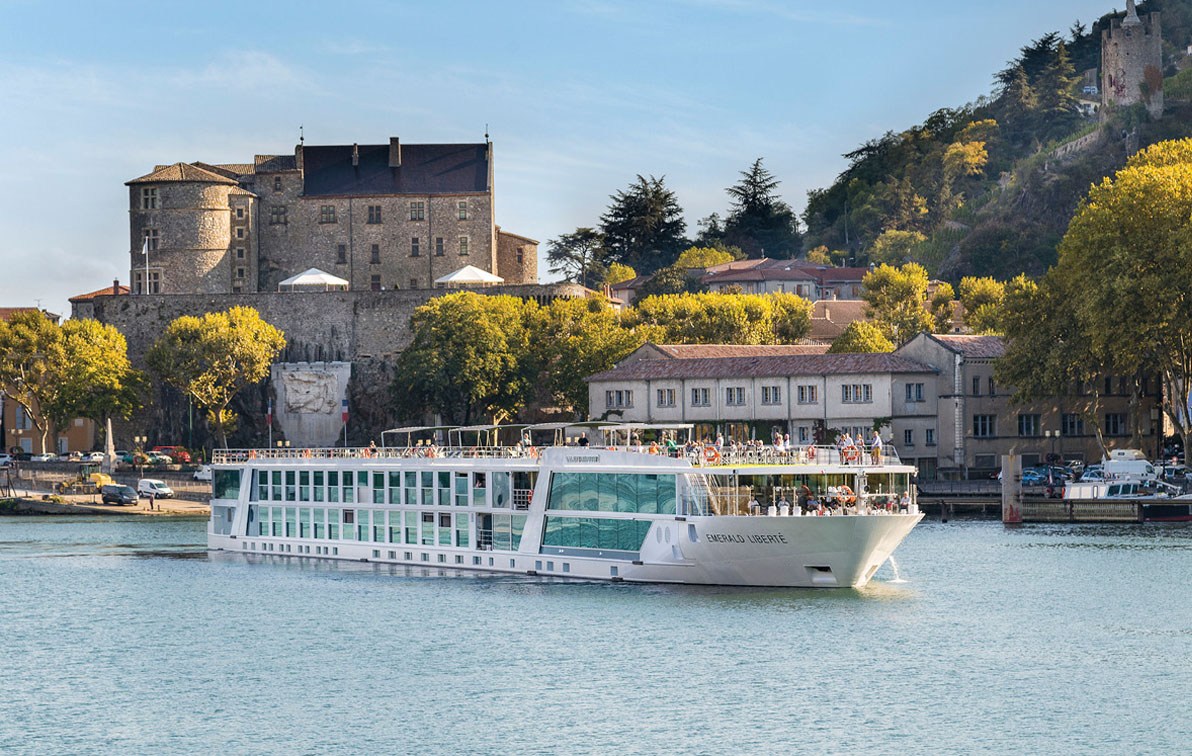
[1132, 62]
[180, 215]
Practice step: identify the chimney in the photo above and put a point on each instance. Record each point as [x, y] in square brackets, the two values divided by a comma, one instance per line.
[298, 157]
[394, 152]
[115, 286]
[355, 154]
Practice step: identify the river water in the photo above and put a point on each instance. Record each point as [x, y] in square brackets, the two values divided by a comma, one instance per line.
[123, 636]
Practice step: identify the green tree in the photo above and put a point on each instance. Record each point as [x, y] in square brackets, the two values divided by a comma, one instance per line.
[894, 247]
[471, 358]
[897, 301]
[32, 362]
[212, 358]
[982, 300]
[99, 382]
[643, 226]
[617, 273]
[580, 337]
[577, 256]
[760, 223]
[860, 337]
[819, 256]
[724, 318]
[703, 257]
[1129, 252]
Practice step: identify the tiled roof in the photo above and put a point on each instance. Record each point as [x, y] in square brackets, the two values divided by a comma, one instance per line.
[8, 312]
[526, 239]
[842, 311]
[182, 172]
[106, 291]
[425, 169]
[220, 170]
[762, 367]
[698, 351]
[977, 347]
[240, 169]
[631, 283]
[274, 163]
[241, 191]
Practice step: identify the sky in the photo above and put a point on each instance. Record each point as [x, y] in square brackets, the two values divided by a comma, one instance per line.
[579, 96]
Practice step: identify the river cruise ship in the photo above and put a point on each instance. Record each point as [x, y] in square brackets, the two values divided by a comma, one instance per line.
[697, 514]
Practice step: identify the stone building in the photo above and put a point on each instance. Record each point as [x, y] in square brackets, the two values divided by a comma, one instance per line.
[976, 422]
[383, 216]
[1132, 62]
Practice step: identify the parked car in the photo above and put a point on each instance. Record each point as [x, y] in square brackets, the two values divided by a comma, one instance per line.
[45, 457]
[123, 455]
[203, 473]
[6, 460]
[154, 487]
[175, 453]
[96, 456]
[157, 458]
[119, 495]
[1032, 477]
[19, 454]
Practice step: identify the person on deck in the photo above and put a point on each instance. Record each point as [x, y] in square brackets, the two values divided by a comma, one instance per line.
[876, 448]
[583, 439]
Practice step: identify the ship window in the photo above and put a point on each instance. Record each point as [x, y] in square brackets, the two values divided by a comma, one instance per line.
[378, 494]
[304, 523]
[226, 484]
[595, 533]
[476, 561]
[291, 521]
[394, 487]
[407, 556]
[333, 524]
[566, 566]
[411, 527]
[304, 485]
[461, 530]
[395, 527]
[291, 492]
[333, 486]
[262, 484]
[318, 485]
[428, 528]
[607, 492]
[442, 558]
[276, 485]
[320, 524]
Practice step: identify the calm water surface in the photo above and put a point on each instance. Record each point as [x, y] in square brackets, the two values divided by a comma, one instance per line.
[123, 636]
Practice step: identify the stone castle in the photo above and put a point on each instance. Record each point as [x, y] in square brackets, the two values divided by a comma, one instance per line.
[388, 219]
[1132, 62]
[380, 216]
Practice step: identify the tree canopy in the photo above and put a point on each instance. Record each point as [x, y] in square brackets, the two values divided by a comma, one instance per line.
[898, 303]
[861, 337]
[32, 360]
[577, 338]
[471, 359]
[577, 256]
[98, 381]
[759, 221]
[643, 226]
[725, 318]
[213, 357]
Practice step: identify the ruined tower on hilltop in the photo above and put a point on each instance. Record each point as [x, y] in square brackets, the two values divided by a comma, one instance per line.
[1132, 62]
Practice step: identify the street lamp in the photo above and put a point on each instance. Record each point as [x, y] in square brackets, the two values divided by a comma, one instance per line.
[1053, 435]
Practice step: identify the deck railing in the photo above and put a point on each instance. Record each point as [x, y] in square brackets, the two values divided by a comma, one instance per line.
[708, 455]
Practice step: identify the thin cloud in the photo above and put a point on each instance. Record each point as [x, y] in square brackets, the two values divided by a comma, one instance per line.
[785, 12]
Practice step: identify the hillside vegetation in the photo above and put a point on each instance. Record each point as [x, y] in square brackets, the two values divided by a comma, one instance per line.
[988, 189]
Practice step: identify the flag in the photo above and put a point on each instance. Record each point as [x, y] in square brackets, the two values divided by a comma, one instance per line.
[269, 413]
[145, 245]
[345, 411]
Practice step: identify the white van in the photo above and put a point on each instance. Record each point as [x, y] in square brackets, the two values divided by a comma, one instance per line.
[155, 488]
[1131, 469]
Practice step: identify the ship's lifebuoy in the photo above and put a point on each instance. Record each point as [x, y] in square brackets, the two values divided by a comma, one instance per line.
[711, 455]
[849, 496]
[533, 452]
[850, 454]
[811, 453]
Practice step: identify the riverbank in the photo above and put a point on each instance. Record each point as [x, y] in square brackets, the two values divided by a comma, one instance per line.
[92, 505]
